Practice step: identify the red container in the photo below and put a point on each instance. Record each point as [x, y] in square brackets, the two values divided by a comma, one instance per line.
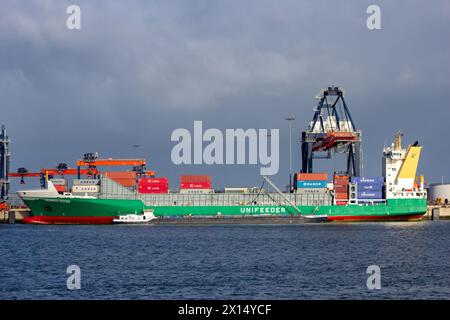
[195, 179]
[61, 188]
[195, 185]
[312, 176]
[340, 185]
[153, 181]
[341, 179]
[341, 195]
[153, 189]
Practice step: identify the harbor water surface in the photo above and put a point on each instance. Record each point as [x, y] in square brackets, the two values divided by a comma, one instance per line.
[309, 261]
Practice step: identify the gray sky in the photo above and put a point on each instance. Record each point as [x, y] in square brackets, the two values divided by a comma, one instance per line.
[137, 70]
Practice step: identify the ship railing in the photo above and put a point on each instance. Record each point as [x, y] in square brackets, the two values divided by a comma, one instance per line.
[250, 199]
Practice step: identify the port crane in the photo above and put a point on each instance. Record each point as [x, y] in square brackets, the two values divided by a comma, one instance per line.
[4, 168]
[91, 161]
[61, 169]
[332, 130]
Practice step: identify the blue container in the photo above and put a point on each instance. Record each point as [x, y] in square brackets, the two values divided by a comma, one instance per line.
[311, 184]
[370, 186]
[370, 195]
[358, 180]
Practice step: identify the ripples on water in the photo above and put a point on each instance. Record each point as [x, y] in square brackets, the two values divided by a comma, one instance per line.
[310, 261]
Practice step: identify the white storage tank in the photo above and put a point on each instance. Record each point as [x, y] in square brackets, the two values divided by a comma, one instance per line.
[439, 191]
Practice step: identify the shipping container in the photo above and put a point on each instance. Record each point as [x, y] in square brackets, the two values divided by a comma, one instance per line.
[59, 182]
[311, 184]
[236, 190]
[149, 181]
[340, 188]
[370, 195]
[369, 187]
[195, 185]
[195, 179]
[341, 194]
[84, 182]
[126, 178]
[311, 190]
[358, 180]
[86, 189]
[312, 176]
[153, 189]
[340, 181]
[61, 188]
[196, 191]
[370, 201]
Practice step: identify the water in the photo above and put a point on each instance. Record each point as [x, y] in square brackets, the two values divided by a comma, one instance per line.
[313, 261]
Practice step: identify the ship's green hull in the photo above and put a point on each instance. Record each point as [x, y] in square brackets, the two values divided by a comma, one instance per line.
[99, 211]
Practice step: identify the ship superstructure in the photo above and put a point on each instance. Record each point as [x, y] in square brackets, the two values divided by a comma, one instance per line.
[399, 169]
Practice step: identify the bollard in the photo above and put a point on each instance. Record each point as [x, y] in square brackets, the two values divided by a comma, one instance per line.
[11, 217]
[435, 214]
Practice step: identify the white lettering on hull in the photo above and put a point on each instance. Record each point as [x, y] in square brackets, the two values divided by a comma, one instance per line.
[263, 210]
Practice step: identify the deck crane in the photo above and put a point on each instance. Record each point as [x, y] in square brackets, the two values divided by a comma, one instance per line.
[332, 130]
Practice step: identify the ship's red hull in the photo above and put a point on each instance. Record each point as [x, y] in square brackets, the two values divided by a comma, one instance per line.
[67, 220]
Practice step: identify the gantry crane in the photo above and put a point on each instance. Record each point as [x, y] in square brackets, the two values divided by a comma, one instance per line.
[91, 161]
[61, 170]
[332, 130]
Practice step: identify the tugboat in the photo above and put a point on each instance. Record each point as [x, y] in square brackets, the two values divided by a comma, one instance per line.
[144, 218]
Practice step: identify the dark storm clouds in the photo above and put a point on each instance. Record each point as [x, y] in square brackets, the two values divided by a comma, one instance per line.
[137, 70]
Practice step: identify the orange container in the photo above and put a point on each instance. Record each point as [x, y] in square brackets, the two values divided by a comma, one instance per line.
[312, 176]
[126, 178]
[198, 178]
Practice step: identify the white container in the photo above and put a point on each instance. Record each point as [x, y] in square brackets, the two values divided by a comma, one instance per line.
[196, 191]
[84, 182]
[59, 182]
[86, 189]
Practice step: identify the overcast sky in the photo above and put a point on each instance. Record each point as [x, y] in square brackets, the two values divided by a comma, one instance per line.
[137, 70]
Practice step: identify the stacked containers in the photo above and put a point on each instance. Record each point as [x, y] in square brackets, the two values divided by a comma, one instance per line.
[86, 186]
[153, 185]
[341, 193]
[369, 188]
[311, 182]
[125, 179]
[195, 182]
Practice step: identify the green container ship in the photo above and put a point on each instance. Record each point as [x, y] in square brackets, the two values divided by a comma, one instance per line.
[403, 199]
